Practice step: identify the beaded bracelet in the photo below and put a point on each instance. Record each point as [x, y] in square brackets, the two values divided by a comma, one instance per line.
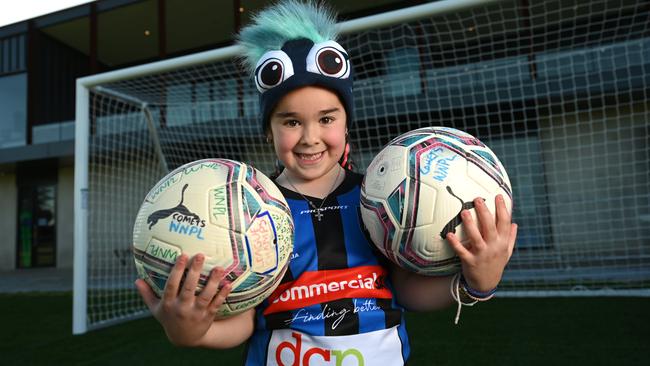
[475, 294]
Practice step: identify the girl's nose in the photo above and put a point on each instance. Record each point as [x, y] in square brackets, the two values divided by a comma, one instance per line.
[310, 134]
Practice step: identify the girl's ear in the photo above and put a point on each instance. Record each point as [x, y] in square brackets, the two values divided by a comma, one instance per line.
[269, 138]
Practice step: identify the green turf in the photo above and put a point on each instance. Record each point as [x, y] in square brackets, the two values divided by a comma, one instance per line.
[548, 331]
[36, 330]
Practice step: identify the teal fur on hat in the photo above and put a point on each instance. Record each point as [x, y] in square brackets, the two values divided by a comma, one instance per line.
[282, 22]
[291, 45]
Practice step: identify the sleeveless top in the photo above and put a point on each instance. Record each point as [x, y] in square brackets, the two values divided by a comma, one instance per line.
[335, 304]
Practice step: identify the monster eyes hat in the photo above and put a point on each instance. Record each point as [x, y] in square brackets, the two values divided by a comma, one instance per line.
[291, 45]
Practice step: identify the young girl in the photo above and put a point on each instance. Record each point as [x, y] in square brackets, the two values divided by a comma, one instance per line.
[339, 301]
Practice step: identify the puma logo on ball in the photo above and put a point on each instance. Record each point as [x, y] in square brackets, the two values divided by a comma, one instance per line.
[451, 225]
[180, 208]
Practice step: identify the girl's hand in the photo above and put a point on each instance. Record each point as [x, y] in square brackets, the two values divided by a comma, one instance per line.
[186, 317]
[490, 244]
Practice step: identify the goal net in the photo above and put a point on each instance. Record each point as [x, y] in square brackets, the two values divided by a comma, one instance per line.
[558, 89]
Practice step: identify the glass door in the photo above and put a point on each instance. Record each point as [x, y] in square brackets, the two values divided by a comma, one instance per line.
[36, 226]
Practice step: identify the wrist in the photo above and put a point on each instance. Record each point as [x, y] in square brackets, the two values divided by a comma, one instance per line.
[474, 293]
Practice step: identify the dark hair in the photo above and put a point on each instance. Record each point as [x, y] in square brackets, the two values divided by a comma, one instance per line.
[346, 159]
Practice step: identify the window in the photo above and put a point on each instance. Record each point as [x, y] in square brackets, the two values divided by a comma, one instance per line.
[12, 54]
[13, 110]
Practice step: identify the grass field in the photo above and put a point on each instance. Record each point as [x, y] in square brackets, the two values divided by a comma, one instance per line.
[36, 330]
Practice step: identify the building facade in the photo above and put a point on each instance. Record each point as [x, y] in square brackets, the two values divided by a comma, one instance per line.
[40, 60]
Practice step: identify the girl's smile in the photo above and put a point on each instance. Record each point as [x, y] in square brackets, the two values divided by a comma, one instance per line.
[310, 158]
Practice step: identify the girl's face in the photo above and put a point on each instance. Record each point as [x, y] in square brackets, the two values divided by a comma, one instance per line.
[308, 128]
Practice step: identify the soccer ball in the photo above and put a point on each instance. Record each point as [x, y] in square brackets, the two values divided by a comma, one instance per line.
[226, 210]
[415, 188]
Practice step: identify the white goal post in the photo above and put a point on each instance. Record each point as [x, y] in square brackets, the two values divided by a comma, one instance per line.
[559, 89]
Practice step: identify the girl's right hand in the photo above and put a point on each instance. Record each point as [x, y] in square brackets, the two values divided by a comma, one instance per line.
[186, 317]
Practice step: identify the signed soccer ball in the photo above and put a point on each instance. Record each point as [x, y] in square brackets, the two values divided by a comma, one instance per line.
[226, 210]
[415, 188]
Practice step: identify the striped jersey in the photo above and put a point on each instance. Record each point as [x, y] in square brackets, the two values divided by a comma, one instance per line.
[335, 305]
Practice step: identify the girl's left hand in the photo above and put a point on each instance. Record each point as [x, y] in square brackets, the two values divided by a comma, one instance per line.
[490, 246]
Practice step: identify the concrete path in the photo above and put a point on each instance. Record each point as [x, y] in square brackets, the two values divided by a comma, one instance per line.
[36, 280]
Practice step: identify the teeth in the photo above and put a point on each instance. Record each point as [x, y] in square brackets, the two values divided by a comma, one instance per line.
[310, 156]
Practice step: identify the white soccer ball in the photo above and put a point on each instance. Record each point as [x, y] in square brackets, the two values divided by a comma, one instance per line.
[226, 210]
[415, 188]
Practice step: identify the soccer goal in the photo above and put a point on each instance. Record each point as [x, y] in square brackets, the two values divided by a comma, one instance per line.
[560, 90]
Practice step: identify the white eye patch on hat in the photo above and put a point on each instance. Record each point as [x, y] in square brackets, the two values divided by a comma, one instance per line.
[326, 58]
[272, 69]
[329, 59]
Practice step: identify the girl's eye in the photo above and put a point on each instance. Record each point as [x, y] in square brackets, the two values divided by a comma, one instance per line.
[326, 120]
[292, 123]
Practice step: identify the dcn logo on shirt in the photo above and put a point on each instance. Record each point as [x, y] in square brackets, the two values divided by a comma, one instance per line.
[331, 356]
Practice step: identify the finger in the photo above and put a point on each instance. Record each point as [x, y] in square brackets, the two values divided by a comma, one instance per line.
[504, 217]
[485, 219]
[175, 276]
[220, 298]
[512, 239]
[210, 289]
[458, 247]
[148, 296]
[192, 278]
[471, 228]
